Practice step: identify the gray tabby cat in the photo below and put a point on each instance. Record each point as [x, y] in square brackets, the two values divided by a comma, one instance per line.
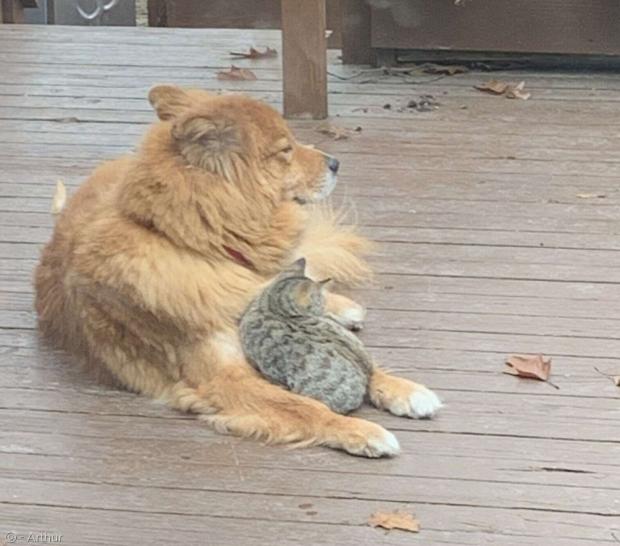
[287, 335]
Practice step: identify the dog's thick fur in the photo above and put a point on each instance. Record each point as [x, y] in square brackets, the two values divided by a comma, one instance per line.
[157, 254]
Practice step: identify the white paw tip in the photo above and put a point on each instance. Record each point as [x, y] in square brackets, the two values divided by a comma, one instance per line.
[386, 446]
[424, 404]
[393, 447]
[354, 314]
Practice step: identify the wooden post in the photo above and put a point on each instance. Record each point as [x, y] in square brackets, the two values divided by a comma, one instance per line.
[12, 11]
[304, 58]
[157, 13]
[355, 24]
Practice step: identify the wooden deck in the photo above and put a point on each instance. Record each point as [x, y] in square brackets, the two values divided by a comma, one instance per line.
[487, 249]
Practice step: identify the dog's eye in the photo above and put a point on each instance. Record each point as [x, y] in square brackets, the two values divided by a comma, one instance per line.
[206, 140]
[287, 149]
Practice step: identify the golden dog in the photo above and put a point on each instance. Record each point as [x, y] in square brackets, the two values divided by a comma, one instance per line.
[157, 254]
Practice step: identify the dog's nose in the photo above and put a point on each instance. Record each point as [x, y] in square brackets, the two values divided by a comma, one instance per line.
[333, 164]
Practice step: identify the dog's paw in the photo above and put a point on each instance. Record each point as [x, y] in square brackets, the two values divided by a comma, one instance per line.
[366, 439]
[403, 397]
[423, 404]
[351, 317]
[385, 446]
[420, 403]
[345, 311]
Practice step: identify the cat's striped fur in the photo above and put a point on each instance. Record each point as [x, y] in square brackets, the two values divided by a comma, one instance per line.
[287, 335]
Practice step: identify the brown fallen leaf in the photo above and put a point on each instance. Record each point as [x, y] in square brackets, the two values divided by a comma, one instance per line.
[395, 520]
[60, 198]
[333, 131]
[532, 367]
[493, 86]
[517, 92]
[236, 73]
[591, 195]
[448, 69]
[508, 89]
[254, 53]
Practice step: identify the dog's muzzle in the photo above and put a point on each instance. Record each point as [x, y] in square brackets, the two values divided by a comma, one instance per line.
[329, 180]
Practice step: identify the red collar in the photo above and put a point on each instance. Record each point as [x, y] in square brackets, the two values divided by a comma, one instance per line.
[239, 257]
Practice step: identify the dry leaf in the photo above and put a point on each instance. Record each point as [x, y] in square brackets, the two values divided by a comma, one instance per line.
[591, 195]
[449, 70]
[395, 520]
[508, 89]
[333, 131]
[254, 53]
[60, 197]
[533, 367]
[493, 86]
[517, 92]
[236, 73]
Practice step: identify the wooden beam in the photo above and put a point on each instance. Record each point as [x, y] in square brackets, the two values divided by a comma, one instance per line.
[304, 58]
[571, 27]
[355, 24]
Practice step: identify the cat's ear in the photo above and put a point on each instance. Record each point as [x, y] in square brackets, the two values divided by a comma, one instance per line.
[303, 293]
[297, 268]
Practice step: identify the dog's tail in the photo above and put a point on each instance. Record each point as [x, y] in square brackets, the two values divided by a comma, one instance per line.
[60, 198]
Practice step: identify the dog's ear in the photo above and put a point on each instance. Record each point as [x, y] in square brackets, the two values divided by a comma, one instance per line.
[169, 101]
[208, 142]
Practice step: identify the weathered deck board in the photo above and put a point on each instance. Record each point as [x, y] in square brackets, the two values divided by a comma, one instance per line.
[486, 249]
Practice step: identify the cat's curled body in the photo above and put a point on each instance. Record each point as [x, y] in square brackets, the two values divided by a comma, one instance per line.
[289, 338]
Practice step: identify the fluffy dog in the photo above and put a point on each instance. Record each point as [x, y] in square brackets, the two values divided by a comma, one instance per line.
[157, 254]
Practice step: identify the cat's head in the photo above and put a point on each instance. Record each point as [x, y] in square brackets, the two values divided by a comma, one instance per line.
[294, 294]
